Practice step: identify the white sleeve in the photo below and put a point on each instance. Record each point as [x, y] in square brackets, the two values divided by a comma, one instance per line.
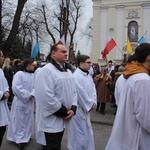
[142, 103]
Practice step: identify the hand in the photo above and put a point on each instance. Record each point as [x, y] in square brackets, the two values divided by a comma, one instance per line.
[70, 114]
[6, 95]
[101, 76]
[93, 107]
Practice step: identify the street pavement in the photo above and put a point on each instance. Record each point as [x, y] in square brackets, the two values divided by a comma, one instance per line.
[106, 119]
[102, 125]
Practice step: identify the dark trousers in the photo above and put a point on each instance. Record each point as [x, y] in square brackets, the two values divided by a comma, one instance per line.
[98, 104]
[102, 109]
[2, 132]
[53, 140]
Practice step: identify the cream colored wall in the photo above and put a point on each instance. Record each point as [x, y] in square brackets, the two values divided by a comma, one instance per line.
[112, 10]
[96, 31]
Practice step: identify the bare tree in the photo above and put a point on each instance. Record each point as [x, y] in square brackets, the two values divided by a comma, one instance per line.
[45, 23]
[62, 20]
[87, 32]
[74, 18]
[7, 45]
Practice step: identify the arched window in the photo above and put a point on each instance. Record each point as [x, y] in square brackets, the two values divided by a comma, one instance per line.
[133, 31]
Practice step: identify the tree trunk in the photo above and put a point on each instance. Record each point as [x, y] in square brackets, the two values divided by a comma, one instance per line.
[71, 53]
[13, 31]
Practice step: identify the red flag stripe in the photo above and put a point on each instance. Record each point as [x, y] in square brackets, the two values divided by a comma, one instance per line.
[110, 45]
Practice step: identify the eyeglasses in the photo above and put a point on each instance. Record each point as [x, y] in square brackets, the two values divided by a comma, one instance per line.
[88, 62]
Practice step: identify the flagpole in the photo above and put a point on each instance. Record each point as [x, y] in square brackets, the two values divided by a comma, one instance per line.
[106, 60]
[144, 33]
[119, 49]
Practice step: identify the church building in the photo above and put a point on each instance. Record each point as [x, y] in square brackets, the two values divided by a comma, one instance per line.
[120, 20]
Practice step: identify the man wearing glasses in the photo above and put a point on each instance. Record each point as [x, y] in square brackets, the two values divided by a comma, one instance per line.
[80, 131]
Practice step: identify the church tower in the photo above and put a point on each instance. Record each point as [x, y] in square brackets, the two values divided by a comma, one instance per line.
[119, 19]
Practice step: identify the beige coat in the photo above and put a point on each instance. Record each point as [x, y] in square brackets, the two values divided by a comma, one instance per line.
[102, 88]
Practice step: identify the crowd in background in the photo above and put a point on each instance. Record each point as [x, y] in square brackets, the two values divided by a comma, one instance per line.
[107, 74]
[103, 77]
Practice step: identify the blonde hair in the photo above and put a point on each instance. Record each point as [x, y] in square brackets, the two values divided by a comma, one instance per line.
[6, 63]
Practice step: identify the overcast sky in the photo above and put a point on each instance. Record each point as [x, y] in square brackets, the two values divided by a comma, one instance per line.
[83, 45]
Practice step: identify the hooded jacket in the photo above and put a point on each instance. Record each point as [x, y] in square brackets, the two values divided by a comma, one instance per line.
[133, 68]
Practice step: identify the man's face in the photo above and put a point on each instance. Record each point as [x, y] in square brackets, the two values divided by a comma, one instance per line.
[103, 71]
[1, 58]
[31, 67]
[86, 65]
[61, 55]
[109, 64]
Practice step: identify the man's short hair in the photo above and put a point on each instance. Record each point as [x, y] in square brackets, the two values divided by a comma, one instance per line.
[131, 58]
[110, 61]
[27, 62]
[82, 58]
[54, 48]
[142, 51]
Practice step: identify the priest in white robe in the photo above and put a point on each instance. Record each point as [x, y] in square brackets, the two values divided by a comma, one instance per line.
[21, 126]
[80, 132]
[131, 129]
[56, 97]
[119, 87]
[40, 137]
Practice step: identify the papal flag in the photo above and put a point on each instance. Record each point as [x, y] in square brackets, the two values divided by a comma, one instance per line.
[129, 48]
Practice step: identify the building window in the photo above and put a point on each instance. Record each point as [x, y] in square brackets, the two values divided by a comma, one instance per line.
[133, 31]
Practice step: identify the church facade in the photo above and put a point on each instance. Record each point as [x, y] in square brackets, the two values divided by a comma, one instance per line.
[120, 20]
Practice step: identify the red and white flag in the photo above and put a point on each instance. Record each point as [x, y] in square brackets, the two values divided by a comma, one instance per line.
[109, 46]
[62, 41]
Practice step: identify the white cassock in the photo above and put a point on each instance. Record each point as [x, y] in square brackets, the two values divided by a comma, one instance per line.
[80, 133]
[40, 136]
[119, 87]
[52, 89]
[21, 126]
[4, 111]
[131, 129]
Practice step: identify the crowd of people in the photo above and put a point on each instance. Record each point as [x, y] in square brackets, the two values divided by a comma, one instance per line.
[64, 96]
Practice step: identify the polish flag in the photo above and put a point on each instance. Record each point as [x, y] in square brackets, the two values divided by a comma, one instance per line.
[109, 46]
